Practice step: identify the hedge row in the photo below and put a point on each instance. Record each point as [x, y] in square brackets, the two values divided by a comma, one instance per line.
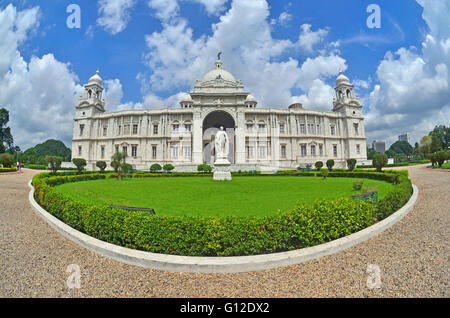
[305, 225]
[7, 170]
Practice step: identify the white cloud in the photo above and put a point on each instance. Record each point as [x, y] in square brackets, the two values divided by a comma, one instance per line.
[413, 92]
[176, 59]
[283, 19]
[114, 14]
[40, 107]
[308, 38]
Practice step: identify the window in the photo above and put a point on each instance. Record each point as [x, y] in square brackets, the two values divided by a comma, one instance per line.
[250, 128]
[134, 151]
[105, 131]
[175, 128]
[355, 126]
[335, 151]
[302, 129]
[188, 127]
[303, 150]
[313, 150]
[117, 149]
[321, 150]
[262, 151]
[333, 130]
[154, 152]
[119, 130]
[282, 129]
[175, 152]
[318, 129]
[125, 150]
[126, 129]
[81, 130]
[358, 149]
[311, 130]
[283, 151]
[250, 152]
[135, 129]
[262, 128]
[187, 152]
[102, 151]
[155, 129]
[80, 151]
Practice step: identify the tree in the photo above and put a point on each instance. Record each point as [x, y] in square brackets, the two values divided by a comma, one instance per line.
[330, 164]
[6, 138]
[425, 145]
[370, 153]
[379, 161]
[351, 163]
[54, 162]
[119, 164]
[155, 167]
[101, 165]
[436, 144]
[441, 157]
[80, 163]
[401, 148]
[441, 133]
[318, 165]
[6, 160]
[168, 167]
[50, 147]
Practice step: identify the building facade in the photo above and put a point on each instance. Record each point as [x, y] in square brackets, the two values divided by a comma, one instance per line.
[379, 146]
[259, 137]
[405, 137]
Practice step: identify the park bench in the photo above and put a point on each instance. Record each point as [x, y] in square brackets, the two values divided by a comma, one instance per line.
[371, 195]
[129, 208]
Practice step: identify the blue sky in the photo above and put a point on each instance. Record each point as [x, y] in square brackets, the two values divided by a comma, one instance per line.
[151, 51]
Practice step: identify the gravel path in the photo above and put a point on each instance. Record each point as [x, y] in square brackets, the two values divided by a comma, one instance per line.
[413, 257]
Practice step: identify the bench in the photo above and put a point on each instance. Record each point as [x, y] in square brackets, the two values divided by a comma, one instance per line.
[372, 196]
[129, 208]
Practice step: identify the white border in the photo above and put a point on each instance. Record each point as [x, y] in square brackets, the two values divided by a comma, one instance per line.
[235, 264]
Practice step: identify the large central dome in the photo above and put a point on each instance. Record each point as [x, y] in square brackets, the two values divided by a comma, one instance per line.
[218, 73]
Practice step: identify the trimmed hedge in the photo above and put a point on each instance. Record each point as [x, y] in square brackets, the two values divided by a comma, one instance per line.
[8, 170]
[305, 225]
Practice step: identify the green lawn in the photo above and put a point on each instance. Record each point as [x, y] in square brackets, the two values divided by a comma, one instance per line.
[244, 196]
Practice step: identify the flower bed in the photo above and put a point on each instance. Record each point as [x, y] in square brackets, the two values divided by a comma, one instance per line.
[305, 225]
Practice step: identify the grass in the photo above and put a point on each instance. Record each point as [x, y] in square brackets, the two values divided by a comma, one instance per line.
[244, 196]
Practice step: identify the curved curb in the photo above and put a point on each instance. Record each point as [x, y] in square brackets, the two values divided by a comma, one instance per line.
[234, 264]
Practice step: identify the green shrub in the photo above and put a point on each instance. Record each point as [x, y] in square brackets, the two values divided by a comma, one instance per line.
[4, 170]
[54, 163]
[155, 167]
[357, 185]
[6, 160]
[318, 165]
[351, 163]
[80, 163]
[441, 157]
[330, 164]
[379, 161]
[204, 168]
[101, 165]
[168, 167]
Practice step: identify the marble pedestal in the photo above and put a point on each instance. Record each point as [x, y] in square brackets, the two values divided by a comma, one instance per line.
[222, 170]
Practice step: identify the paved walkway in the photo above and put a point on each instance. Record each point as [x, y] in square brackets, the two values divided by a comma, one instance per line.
[413, 257]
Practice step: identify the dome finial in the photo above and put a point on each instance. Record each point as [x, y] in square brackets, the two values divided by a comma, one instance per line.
[219, 55]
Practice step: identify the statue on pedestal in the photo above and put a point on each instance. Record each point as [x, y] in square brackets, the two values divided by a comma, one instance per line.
[222, 165]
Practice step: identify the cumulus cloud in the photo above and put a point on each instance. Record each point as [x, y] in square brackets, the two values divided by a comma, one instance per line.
[176, 59]
[413, 89]
[40, 107]
[114, 14]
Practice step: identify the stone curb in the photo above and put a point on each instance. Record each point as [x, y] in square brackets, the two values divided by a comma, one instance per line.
[235, 264]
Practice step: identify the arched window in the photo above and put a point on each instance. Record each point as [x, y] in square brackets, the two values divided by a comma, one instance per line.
[89, 93]
[348, 93]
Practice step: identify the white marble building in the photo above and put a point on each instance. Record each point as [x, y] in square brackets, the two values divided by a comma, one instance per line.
[259, 137]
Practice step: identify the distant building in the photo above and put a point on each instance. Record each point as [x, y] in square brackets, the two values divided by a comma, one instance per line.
[379, 146]
[405, 137]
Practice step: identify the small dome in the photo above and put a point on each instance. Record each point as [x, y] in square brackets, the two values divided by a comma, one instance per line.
[341, 79]
[250, 98]
[187, 98]
[96, 79]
